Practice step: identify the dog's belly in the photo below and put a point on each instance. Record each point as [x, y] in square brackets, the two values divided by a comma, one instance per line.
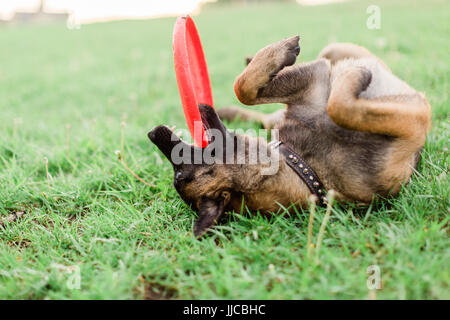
[384, 83]
[347, 161]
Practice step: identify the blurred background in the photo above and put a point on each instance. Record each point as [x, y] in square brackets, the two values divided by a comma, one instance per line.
[109, 60]
[85, 11]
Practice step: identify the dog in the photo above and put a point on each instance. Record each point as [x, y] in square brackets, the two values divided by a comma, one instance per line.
[348, 120]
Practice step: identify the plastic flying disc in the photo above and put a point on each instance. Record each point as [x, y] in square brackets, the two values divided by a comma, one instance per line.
[192, 76]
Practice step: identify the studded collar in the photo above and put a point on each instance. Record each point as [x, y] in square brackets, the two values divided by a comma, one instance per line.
[303, 170]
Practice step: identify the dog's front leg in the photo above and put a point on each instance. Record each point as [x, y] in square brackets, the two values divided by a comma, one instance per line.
[270, 77]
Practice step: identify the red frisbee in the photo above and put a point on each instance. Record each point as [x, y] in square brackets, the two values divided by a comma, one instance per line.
[192, 76]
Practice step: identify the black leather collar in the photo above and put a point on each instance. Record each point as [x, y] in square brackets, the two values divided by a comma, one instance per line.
[303, 170]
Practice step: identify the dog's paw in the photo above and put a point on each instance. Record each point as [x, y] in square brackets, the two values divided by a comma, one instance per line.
[278, 55]
[290, 49]
[352, 82]
[365, 77]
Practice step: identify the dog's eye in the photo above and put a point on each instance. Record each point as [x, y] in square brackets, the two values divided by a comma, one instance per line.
[178, 175]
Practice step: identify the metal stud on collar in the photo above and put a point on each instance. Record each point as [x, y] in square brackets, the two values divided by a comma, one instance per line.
[275, 143]
[302, 169]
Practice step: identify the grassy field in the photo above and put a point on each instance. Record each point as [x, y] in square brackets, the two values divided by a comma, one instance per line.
[75, 96]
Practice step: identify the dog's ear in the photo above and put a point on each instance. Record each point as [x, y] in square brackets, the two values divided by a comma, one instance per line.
[166, 140]
[211, 119]
[209, 213]
[218, 134]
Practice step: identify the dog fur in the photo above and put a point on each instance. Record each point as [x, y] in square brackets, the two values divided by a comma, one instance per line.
[348, 116]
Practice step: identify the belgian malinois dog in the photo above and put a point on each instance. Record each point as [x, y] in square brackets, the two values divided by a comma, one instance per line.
[348, 119]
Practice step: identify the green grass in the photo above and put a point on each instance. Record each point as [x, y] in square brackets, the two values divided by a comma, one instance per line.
[134, 241]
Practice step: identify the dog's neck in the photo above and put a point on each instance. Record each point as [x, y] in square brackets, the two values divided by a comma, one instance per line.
[303, 170]
[281, 189]
[284, 187]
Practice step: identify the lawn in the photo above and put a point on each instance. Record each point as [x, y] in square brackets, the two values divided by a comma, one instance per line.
[74, 97]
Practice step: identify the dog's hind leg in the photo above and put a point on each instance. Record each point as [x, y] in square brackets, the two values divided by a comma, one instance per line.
[267, 120]
[270, 77]
[403, 116]
[340, 51]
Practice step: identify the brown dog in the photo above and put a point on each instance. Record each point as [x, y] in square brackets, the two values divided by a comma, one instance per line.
[352, 122]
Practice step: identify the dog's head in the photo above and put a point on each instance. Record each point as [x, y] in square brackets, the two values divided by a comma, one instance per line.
[201, 178]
